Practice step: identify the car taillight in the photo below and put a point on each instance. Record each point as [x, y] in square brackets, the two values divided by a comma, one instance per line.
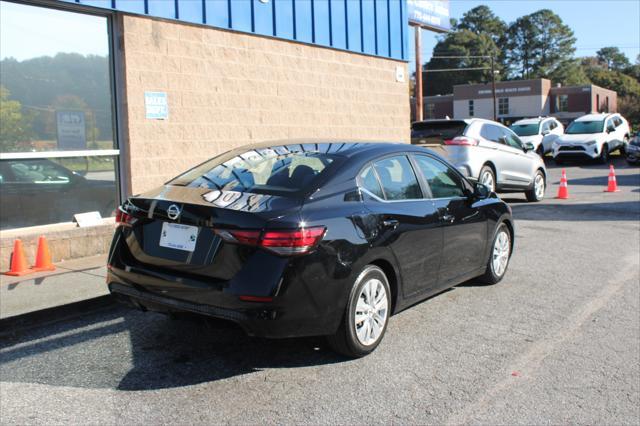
[124, 219]
[461, 140]
[284, 242]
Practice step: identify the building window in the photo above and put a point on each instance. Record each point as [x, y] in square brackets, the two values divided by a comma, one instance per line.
[430, 111]
[471, 108]
[503, 106]
[58, 152]
[562, 103]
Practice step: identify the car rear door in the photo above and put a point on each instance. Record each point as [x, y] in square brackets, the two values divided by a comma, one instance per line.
[464, 225]
[405, 221]
[514, 163]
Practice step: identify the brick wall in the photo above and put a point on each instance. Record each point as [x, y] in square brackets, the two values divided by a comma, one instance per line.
[227, 89]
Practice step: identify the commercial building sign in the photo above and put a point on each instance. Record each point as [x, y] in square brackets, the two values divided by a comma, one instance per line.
[71, 131]
[432, 14]
[156, 106]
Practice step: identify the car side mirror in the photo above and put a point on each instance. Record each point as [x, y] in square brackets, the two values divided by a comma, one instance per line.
[528, 146]
[611, 129]
[546, 132]
[481, 191]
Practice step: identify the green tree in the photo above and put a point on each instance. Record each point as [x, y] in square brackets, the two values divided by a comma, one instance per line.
[569, 73]
[482, 20]
[15, 127]
[456, 51]
[613, 58]
[539, 43]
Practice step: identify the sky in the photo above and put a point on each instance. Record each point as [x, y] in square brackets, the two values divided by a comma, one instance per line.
[596, 23]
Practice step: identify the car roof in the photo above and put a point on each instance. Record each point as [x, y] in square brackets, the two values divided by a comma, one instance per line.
[591, 117]
[340, 147]
[535, 120]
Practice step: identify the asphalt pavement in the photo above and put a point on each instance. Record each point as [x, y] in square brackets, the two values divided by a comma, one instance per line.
[557, 341]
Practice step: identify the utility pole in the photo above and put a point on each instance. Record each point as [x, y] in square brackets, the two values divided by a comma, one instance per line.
[493, 84]
[418, 94]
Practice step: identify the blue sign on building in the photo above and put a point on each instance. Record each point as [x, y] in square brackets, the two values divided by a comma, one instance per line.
[155, 105]
[433, 14]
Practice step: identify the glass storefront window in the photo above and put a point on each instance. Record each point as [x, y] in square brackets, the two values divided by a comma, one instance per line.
[58, 151]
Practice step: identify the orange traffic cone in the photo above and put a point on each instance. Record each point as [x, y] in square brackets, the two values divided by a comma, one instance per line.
[43, 257]
[563, 191]
[18, 261]
[613, 185]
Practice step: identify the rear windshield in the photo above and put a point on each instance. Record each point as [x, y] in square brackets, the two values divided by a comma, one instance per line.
[436, 132]
[579, 127]
[526, 129]
[277, 170]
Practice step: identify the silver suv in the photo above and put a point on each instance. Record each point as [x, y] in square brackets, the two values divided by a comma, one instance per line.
[487, 152]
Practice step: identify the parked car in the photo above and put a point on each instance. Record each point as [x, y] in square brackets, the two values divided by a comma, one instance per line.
[592, 136]
[632, 149]
[540, 131]
[486, 151]
[301, 239]
[41, 191]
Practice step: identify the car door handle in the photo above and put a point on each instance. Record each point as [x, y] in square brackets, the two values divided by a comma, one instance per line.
[390, 223]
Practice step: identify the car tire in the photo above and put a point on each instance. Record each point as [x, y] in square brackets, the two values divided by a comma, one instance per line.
[488, 178]
[623, 148]
[604, 154]
[536, 193]
[540, 151]
[494, 273]
[356, 341]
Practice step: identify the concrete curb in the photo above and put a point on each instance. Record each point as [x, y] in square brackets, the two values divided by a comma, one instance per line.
[19, 323]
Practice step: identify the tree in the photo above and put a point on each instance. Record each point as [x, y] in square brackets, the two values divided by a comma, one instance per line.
[454, 51]
[482, 20]
[15, 127]
[613, 58]
[570, 73]
[539, 43]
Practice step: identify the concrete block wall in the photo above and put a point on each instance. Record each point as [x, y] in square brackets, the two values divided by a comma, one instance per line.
[227, 89]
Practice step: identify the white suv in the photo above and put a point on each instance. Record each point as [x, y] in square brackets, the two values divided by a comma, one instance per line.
[594, 136]
[541, 132]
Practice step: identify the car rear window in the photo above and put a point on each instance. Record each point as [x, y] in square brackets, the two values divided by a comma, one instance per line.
[275, 170]
[436, 132]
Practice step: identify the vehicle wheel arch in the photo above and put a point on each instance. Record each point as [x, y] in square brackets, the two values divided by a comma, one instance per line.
[392, 276]
[507, 221]
[493, 167]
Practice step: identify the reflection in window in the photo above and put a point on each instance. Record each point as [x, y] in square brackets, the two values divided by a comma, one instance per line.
[369, 181]
[398, 180]
[443, 181]
[54, 81]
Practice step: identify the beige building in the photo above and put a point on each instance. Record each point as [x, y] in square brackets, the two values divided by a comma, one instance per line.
[122, 98]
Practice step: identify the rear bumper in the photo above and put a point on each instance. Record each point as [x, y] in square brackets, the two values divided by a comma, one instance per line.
[293, 313]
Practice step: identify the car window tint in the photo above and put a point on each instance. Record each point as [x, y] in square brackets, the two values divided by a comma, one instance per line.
[369, 181]
[443, 180]
[547, 126]
[491, 132]
[617, 121]
[510, 139]
[39, 172]
[398, 180]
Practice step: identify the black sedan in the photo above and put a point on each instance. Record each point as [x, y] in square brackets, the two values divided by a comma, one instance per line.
[306, 238]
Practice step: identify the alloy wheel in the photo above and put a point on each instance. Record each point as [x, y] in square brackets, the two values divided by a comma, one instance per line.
[372, 311]
[539, 186]
[501, 249]
[487, 180]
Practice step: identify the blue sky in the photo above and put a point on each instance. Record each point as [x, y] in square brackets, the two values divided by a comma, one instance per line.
[596, 23]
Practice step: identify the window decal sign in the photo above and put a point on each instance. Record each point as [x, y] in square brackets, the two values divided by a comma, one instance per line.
[156, 106]
[70, 127]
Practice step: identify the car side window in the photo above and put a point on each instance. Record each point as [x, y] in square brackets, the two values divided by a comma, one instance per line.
[610, 124]
[546, 126]
[510, 139]
[443, 180]
[617, 121]
[368, 180]
[398, 179]
[491, 133]
[39, 172]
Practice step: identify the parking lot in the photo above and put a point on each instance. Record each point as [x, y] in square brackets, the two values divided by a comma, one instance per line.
[557, 341]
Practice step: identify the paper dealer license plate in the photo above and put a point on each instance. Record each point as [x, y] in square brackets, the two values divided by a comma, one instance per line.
[180, 237]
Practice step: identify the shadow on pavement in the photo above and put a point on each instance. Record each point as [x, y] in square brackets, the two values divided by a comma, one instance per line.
[620, 211]
[130, 350]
